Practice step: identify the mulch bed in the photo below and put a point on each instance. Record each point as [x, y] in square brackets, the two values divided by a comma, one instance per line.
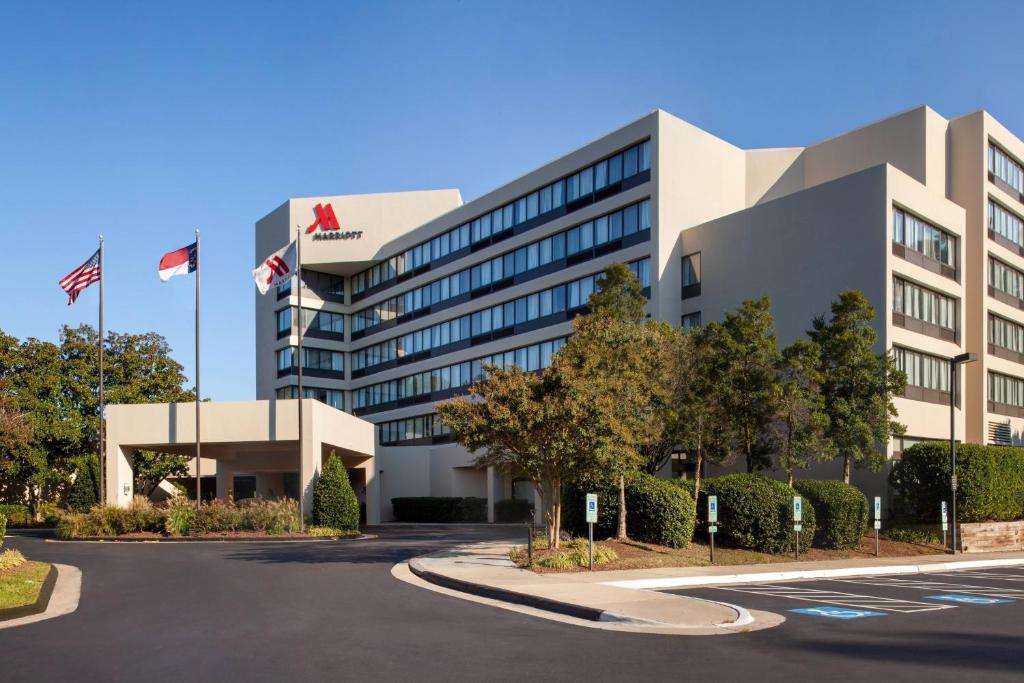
[213, 536]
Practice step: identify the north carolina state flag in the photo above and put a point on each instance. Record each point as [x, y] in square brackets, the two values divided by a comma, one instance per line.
[178, 262]
[276, 269]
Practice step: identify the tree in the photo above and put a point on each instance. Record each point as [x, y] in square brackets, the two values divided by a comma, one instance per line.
[528, 425]
[150, 468]
[700, 409]
[800, 419]
[611, 364]
[747, 358]
[334, 502]
[85, 490]
[857, 384]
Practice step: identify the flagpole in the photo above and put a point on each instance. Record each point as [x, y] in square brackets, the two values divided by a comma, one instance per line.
[199, 496]
[102, 459]
[298, 270]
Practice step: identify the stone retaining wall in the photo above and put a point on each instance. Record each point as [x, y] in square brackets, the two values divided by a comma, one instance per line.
[984, 537]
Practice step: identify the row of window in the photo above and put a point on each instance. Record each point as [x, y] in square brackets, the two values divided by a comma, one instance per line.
[924, 304]
[1006, 389]
[527, 358]
[332, 397]
[1005, 278]
[324, 285]
[1005, 223]
[626, 221]
[922, 369]
[1005, 333]
[1006, 169]
[312, 359]
[410, 429]
[324, 321]
[591, 179]
[923, 237]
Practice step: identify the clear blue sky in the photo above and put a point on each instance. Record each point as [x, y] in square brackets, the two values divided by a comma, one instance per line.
[144, 120]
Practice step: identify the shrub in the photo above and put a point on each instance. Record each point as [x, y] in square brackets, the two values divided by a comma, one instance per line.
[917, 536]
[513, 510]
[10, 559]
[841, 512]
[657, 511]
[272, 517]
[179, 516]
[756, 512]
[576, 554]
[17, 515]
[430, 509]
[990, 481]
[3, 528]
[84, 492]
[334, 502]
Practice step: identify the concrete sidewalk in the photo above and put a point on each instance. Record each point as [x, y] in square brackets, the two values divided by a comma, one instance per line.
[631, 598]
[485, 570]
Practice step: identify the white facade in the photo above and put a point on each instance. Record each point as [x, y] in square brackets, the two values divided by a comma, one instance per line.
[796, 224]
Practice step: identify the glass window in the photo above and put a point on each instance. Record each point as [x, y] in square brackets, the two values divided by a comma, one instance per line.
[691, 269]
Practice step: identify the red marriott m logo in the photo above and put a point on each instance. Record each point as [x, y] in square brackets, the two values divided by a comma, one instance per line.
[278, 268]
[325, 218]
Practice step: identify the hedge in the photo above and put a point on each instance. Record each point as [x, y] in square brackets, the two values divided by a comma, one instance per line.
[334, 502]
[513, 510]
[841, 512]
[17, 515]
[990, 481]
[432, 509]
[84, 492]
[657, 511]
[756, 512]
[3, 529]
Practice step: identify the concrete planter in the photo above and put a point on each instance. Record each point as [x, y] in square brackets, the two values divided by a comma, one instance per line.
[985, 537]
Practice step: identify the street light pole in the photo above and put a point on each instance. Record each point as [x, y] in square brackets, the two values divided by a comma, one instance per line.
[953, 385]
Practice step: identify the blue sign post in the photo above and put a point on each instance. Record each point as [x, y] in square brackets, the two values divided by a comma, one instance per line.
[878, 520]
[798, 510]
[712, 523]
[591, 518]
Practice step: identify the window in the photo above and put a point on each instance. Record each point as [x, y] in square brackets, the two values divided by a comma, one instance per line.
[411, 429]
[691, 270]
[1005, 279]
[1002, 166]
[332, 397]
[1005, 389]
[284, 320]
[285, 359]
[1005, 333]
[1005, 223]
[922, 369]
[922, 237]
[581, 184]
[313, 359]
[924, 304]
[691, 321]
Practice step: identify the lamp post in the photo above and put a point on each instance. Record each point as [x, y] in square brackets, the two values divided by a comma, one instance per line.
[953, 384]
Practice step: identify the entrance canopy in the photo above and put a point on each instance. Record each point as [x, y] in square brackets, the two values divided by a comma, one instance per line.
[254, 437]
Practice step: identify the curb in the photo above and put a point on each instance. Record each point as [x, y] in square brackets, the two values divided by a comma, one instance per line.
[768, 577]
[213, 539]
[37, 607]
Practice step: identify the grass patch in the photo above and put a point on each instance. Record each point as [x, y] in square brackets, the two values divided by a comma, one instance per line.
[20, 585]
[327, 531]
[918, 536]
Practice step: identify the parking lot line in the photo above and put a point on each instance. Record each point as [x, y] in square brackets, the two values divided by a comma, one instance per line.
[981, 574]
[939, 586]
[866, 602]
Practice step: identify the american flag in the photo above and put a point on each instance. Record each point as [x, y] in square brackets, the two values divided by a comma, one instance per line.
[81, 277]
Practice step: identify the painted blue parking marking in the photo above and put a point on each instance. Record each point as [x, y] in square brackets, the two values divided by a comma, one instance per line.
[837, 612]
[967, 599]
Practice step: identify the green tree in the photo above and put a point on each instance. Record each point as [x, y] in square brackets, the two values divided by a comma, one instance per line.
[334, 502]
[85, 490]
[150, 468]
[526, 425]
[611, 364]
[747, 358]
[800, 418]
[700, 410]
[857, 383]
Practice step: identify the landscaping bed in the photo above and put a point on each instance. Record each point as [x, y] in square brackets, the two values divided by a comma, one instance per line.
[634, 555]
[21, 584]
[313, 534]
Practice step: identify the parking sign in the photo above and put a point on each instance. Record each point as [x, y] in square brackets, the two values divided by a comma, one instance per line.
[945, 519]
[878, 512]
[712, 509]
[591, 508]
[797, 509]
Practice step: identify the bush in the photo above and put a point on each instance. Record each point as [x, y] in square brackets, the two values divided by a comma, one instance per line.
[3, 529]
[756, 512]
[179, 517]
[513, 510]
[334, 502]
[431, 509]
[576, 553]
[84, 492]
[841, 512]
[657, 510]
[17, 515]
[990, 481]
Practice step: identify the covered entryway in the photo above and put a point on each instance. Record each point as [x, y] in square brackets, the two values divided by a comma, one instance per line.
[255, 438]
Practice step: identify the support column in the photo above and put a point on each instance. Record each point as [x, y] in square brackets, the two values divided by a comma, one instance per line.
[309, 460]
[490, 495]
[373, 501]
[225, 480]
[120, 482]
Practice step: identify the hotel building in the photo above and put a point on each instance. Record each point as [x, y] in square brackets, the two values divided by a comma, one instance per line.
[406, 294]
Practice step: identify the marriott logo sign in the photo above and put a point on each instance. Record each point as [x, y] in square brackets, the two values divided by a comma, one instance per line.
[330, 228]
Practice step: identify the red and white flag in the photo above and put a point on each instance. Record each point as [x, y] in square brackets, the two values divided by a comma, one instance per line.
[81, 277]
[178, 262]
[276, 269]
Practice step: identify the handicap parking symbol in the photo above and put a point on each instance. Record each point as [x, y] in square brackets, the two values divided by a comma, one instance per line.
[968, 599]
[837, 612]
